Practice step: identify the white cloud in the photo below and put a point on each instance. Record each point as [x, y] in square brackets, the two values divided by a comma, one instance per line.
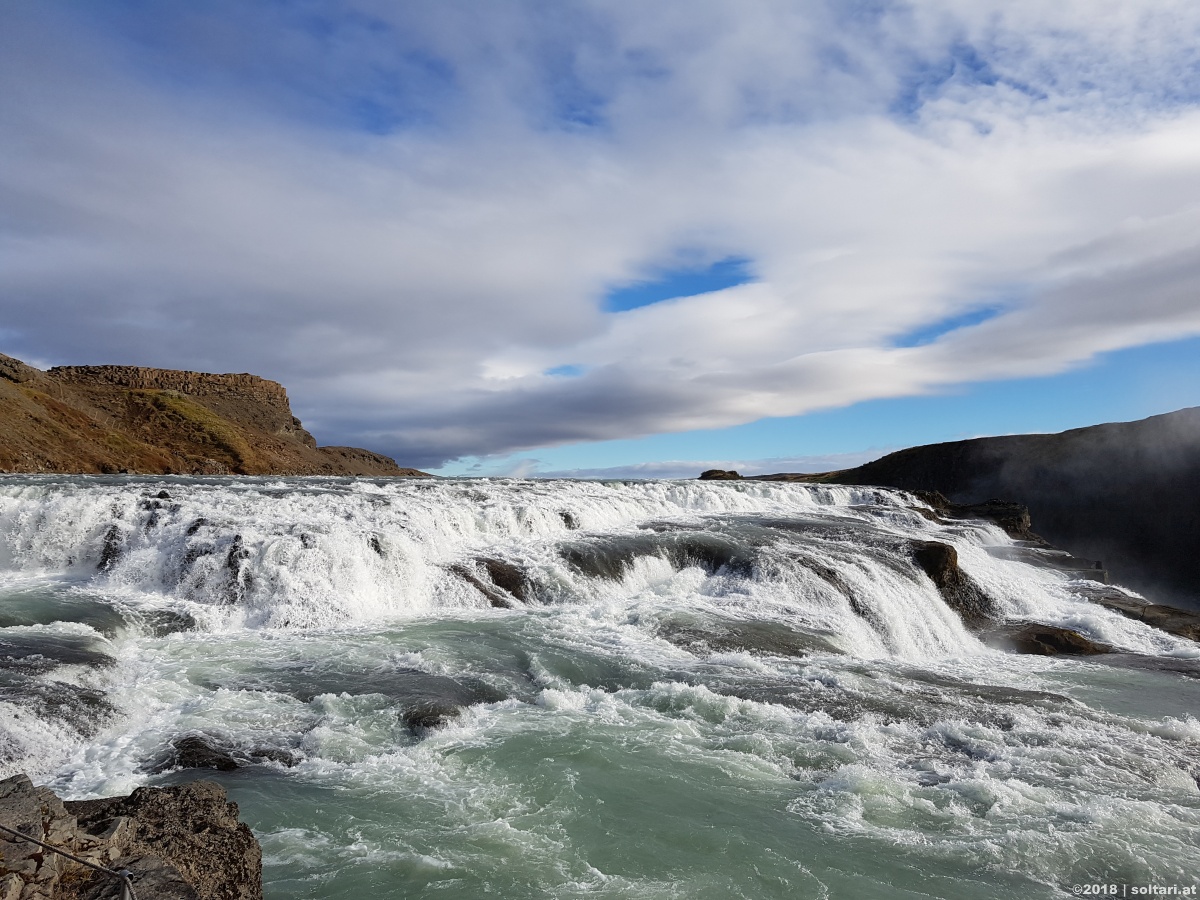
[209, 191]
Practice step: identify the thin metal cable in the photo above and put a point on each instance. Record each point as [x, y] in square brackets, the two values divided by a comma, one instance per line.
[122, 876]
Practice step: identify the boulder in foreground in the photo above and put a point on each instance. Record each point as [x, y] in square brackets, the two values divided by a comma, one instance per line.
[179, 843]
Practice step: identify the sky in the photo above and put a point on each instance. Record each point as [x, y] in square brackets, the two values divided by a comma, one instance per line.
[618, 238]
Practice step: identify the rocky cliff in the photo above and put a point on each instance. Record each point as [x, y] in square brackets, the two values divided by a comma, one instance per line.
[115, 419]
[1127, 493]
[176, 843]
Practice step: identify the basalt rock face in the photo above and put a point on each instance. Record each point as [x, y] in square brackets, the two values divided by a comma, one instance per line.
[940, 562]
[1014, 518]
[127, 419]
[1125, 493]
[178, 843]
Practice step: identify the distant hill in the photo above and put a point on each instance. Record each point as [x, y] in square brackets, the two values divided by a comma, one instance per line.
[1126, 493]
[126, 419]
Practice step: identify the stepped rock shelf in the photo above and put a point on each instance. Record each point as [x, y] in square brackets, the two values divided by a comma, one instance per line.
[93, 420]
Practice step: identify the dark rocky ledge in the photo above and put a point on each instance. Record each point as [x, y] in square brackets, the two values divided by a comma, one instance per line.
[178, 843]
[1123, 492]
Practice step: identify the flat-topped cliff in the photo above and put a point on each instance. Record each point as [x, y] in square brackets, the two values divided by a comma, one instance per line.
[116, 419]
[199, 384]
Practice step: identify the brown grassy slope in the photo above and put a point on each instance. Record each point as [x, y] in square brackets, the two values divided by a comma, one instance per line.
[108, 419]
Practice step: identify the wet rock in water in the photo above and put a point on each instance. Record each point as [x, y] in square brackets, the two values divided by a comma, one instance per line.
[725, 635]
[433, 700]
[719, 475]
[285, 758]
[1042, 640]
[494, 595]
[237, 554]
[1188, 668]
[43, 652]
[502, 582]
[507, 577]
[607, 558]
[239, 577]
[429, 714]
[611, 557]
[196, 751]
[1176, 621]
[940, 562]
[113, 547]
[1044, 556]
[1014, 518]
[407, 688]
[569, 519]
[444, 699]
[440, 707]
[161, 622]
[202, 751]
[1180, 622]
[83, 709]
[712, 552]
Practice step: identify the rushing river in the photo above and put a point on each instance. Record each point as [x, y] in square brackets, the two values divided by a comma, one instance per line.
[533, 689]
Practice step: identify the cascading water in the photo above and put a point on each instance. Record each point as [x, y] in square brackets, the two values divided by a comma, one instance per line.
[615, 689]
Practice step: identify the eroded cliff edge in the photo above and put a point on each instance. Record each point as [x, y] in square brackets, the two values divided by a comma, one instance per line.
[128, 419]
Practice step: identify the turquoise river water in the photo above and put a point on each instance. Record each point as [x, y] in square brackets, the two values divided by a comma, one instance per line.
[537, 689]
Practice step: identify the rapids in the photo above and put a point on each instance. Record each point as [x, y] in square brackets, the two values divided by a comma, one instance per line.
[564, 689]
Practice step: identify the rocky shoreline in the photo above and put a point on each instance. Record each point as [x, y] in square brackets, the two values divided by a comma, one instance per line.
[177, 843]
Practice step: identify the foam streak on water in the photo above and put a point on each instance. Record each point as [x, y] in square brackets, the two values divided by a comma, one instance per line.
[646, 689]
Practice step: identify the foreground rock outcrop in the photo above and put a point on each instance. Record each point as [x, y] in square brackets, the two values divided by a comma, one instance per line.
[178, 843]
[127, 419]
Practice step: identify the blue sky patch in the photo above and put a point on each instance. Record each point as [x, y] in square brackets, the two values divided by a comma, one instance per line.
[568, 371]
[671, 284]
[963, 66]
[927, 334]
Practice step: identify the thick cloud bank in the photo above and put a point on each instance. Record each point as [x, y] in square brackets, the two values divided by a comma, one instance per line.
[411, 213]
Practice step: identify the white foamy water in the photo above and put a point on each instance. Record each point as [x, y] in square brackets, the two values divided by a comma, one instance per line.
[649, 689]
